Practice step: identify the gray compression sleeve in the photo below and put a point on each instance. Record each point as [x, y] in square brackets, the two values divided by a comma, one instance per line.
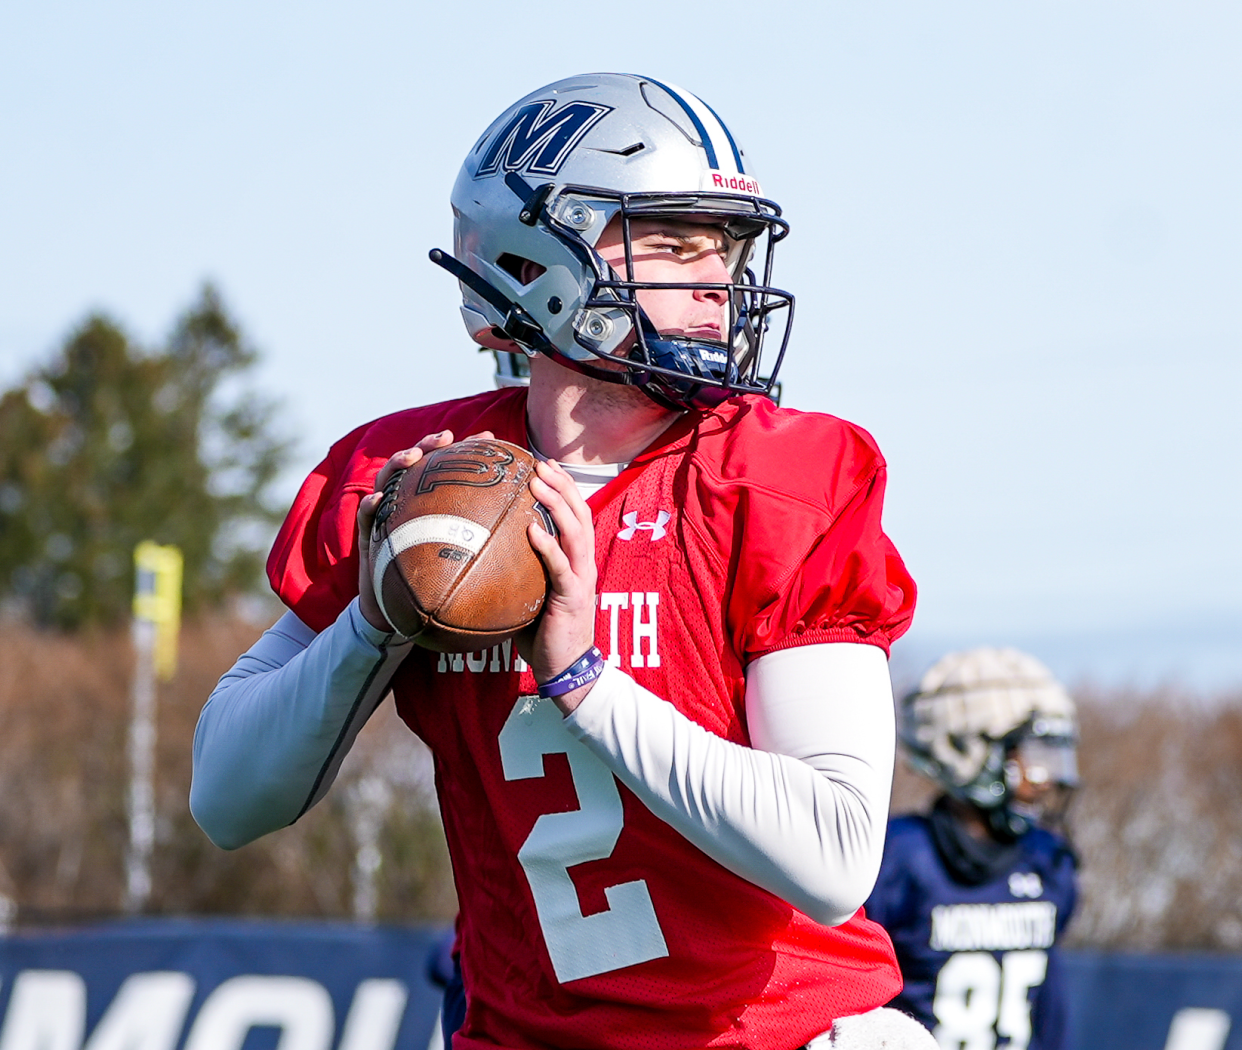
[275, 730]
[803, 812]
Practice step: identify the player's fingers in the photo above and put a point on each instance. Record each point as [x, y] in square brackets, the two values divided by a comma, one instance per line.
[564, 483]
[437, 440]
[560, 572]
[552, 486]
[555, 489]
[367, 507]
[398, 461]
[571, 538]
[407, 457]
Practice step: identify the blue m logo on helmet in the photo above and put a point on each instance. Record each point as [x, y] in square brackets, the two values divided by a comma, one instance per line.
[539, 138]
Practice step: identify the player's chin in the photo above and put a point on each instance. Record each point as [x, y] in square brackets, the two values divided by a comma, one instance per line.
[618, 360]
[710, 335]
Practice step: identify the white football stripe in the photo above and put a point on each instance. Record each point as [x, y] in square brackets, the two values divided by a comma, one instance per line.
[430, 528]
[439, 528]
[377, 576]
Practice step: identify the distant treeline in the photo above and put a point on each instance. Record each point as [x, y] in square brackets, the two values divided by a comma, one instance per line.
[1158, 821]
[64, 711]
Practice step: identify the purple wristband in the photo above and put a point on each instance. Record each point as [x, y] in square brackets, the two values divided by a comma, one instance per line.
[588, 667]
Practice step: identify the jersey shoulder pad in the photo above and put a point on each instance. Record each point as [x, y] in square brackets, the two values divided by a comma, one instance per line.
[808, 456]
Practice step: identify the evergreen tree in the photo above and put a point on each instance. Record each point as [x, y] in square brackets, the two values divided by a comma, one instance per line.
[107, 445]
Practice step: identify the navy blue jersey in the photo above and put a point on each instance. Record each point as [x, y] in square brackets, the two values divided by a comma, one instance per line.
[978, 960]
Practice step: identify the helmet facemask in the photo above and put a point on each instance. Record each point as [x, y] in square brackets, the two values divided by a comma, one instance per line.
[605, 318]
[682, 371]
[1041, 773]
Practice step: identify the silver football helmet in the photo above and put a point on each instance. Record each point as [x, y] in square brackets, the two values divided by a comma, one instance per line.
[981, 721]
[540, 187]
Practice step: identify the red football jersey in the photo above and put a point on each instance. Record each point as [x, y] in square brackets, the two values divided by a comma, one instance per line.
[586, 921]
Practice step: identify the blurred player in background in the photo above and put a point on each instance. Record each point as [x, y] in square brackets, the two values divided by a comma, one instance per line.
[666, 805]
[976, 893]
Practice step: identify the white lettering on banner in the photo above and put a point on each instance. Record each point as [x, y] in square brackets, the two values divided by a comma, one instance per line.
[992, 927]
[644, 634]
[1196, 1028]
[47, 1011]
[375, 1015]
[645, 628]
[300, 1007]
[147, 1013]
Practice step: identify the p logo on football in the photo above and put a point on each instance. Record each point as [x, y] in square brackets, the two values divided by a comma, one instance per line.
[478, 464]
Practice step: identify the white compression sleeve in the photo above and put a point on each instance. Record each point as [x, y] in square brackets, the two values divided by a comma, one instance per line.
[803, 813]
[275, 730]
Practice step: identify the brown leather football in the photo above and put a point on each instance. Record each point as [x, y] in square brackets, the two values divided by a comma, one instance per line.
[451, 562]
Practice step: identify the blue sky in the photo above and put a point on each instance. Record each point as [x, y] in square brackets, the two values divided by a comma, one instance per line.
[1017, 251]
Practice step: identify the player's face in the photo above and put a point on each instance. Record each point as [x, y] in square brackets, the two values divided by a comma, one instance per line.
[1040, 775]
[1032, 781]
[670, 251]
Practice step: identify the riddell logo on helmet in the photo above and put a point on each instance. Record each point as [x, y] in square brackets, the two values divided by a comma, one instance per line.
[718, 180]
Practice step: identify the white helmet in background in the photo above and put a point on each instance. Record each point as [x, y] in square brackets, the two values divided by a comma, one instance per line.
[972, 711]
[541, 185]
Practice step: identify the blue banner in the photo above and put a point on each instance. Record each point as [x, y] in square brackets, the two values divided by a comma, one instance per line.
[1155, 1002]
[218, 985]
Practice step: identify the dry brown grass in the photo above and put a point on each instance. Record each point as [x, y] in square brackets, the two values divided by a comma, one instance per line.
[1159, 822]
[64, 708]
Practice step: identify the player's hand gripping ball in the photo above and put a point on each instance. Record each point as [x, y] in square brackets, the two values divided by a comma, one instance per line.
[451, 562]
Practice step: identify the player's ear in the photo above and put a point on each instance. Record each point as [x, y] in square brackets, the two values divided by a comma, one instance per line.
[522, 270]
[530, 270]
[497, 340]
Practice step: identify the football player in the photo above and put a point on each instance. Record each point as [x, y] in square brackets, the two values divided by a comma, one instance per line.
[976, 893]
[666, 803]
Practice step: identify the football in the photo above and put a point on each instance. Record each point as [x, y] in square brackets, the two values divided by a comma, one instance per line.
[451, 562]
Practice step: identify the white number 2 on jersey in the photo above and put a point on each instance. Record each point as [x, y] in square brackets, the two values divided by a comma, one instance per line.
[978, 999]
[580, 945]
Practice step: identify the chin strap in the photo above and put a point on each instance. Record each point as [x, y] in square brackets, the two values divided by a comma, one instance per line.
[691, 386]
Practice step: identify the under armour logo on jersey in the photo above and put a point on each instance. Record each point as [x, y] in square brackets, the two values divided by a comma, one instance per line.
[633, 525]
[1026, 884]
[539, 138]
